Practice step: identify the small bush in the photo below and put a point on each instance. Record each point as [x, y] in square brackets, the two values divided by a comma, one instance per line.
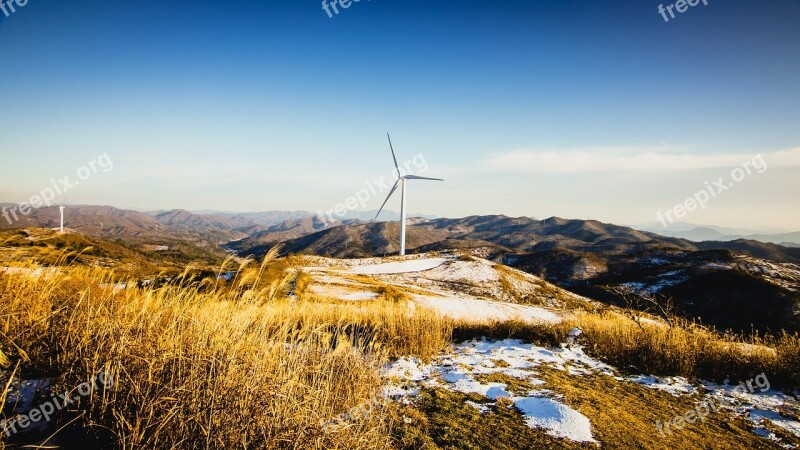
[392, 294]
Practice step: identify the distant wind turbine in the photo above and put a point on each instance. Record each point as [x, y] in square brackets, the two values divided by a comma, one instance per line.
[61, 208]
[401, 180]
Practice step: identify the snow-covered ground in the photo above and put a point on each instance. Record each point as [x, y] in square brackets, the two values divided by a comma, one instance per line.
[557, 418]
[674, 385]
[33, 272]
[758, 402]
[462, 368]
[465, 308]
[462, 289]
[475, 289]
[461, 372]
[664, 280]
[413, 265]
[341, 292]
[786, 275]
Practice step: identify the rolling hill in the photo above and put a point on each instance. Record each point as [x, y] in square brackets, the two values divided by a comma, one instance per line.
[737, 285]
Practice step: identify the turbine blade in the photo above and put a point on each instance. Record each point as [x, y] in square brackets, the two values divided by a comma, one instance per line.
[394, 188]
[393, 157]
[414, 177]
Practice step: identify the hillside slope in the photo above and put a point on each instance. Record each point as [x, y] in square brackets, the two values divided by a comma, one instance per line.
[706, 280]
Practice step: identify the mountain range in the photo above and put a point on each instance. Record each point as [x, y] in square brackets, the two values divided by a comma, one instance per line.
[715, 233]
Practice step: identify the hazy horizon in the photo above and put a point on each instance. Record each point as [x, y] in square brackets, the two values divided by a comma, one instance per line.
[391, 215]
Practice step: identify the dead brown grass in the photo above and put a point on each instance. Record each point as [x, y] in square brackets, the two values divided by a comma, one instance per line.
[625, 416]
[686, 349]
[689, 349]
[259, 363]
[201, 365]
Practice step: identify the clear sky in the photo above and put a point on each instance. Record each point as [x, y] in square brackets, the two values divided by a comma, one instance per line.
[572, 108]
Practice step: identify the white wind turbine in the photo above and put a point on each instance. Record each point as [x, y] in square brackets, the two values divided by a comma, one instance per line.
[401, 180]
[61, 208]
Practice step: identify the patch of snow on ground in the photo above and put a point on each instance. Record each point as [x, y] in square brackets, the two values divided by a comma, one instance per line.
[404, 375]
[32, 272]
[717, 266]
[473, 309]
[657, 261]
[462, 369]
[406, 368]
[557, 418]
[455, 287]
[635, 286]
[359, 296]
[481, 407]
[758, 406]
[461, 372]
[663, 281]
[676, 386]
[414, 265]
[342, 293]
[477, 271]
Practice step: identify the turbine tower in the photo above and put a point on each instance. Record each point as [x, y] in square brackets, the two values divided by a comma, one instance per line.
[402, 180]
[61, 208]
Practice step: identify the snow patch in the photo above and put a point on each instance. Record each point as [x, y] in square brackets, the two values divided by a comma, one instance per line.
[471, 309]
[557, 418]
[461, 371]
[415, 265]
[676, 386]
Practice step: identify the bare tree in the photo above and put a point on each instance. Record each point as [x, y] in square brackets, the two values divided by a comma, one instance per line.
[637, 302]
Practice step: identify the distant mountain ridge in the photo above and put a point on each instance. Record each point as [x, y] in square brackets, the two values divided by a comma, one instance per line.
[265, 237]
[710, 232]
[520, 234]
[88, 219]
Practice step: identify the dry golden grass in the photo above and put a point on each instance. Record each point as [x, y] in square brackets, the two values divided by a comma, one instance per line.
[202, 365]
[624, 416]
[686, 349]
[260, 363]
[546, 294]
[392, 294]
[689, 349]
[441, 419]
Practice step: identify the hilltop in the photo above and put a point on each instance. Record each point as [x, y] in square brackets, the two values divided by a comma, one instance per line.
[734, 285]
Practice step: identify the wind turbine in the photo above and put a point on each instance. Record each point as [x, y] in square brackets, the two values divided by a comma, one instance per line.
[402, 181]
[61, 208]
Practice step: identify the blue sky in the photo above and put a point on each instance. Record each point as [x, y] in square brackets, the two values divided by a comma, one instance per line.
[572, 108]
